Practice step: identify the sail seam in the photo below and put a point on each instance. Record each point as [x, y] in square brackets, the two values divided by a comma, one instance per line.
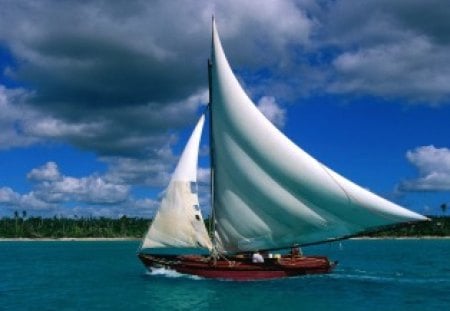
[349, 198]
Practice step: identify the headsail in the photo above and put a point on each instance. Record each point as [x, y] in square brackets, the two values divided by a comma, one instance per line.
[178, 222]
[269, 193]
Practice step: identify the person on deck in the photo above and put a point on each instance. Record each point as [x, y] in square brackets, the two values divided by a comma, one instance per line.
[257, 258]
[296, 252]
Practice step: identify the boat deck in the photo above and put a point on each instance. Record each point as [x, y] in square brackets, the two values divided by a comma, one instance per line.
[240, 268]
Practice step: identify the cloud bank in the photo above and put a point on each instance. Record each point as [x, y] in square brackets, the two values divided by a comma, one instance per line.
[393, 49]
[116, 77]
[86, 195]
[122, 79]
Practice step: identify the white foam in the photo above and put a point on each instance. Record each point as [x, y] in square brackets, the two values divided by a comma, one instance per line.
[171, 273]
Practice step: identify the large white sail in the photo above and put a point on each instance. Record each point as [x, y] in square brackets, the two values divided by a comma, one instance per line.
[179, 222]
[268, 192]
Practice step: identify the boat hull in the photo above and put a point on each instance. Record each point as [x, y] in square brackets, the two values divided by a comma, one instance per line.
[239, 268]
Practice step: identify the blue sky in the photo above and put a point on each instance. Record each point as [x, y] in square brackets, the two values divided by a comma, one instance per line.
[98, 98]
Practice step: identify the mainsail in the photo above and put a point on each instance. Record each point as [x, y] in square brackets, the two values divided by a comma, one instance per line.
[268, 192]
[179, 222]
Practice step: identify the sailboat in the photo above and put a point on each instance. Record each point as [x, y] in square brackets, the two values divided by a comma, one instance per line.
[267, 195]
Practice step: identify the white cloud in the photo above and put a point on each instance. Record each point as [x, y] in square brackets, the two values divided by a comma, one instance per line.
[388, 49]
[12, 117]
[433, 165]
[153, 172]
[116, 79]
[401, 69]
[47, 172]
[29, 201]
[270, 108]
[236, 16]
[52, 190]
[52, 187]
[90, 190]
[32, 201]
[8, 196]
[53, 128]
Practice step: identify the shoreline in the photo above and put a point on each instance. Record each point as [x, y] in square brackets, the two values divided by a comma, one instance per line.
[68, 239]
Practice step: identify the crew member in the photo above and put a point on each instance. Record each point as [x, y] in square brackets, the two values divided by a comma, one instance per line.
[257, 258]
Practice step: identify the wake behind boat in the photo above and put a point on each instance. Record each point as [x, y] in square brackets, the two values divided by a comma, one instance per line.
[267, 194]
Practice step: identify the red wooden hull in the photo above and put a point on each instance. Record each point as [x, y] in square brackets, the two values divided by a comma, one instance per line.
[238, 268]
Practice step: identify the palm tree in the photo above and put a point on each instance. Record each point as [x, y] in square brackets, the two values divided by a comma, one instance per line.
[16, 218]
[444, 207]
[24, 215]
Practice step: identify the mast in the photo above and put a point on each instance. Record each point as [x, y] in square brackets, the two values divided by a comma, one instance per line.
[212, 221]
[211, 157]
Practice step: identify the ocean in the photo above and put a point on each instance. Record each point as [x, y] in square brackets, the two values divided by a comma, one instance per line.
[371, 275]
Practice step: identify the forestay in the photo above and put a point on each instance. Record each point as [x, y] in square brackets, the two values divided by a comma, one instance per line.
[268, 192]
[178, 222]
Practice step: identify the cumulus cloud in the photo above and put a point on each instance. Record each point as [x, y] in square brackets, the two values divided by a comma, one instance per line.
[53, 190]
[433, 165]
[154, 172]
[53, 187]
[389, 48]
[402, 69]
[12, 117]
[115, 78]
[272, 110]
[12, 200]
[110, 72]
[121, 79]
[7, 195]
[47, 172]
[129, 132]
[91, 190]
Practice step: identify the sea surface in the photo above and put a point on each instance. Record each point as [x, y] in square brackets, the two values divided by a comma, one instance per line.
[371, 275]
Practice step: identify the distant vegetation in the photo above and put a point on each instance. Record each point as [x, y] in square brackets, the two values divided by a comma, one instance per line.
[37, 227]
[438, 226]
[21, 226]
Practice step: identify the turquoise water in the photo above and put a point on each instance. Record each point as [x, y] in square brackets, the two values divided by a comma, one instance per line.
[372, 275]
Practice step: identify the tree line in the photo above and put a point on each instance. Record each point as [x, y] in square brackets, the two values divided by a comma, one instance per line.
[58, 227]
[438, 226]
[21, 226]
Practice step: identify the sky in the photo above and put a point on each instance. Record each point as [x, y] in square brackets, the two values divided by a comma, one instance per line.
[97, 98]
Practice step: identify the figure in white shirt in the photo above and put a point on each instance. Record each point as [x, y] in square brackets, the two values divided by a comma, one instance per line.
[257, 258]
